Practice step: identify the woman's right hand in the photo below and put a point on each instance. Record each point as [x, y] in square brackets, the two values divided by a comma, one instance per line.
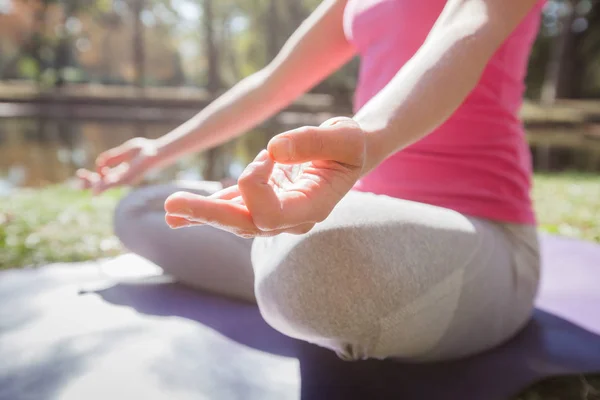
[123, 165]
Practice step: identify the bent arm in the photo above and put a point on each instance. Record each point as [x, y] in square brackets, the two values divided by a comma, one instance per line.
[433, 84]
[315, 50]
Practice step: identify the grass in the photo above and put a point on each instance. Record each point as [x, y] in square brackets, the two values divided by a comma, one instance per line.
[568, 204]
[59, 224]
[56, 224]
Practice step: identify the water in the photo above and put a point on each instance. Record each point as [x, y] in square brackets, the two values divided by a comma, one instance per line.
[35, 153]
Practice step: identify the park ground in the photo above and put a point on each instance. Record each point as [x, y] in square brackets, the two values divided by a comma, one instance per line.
[61, 224]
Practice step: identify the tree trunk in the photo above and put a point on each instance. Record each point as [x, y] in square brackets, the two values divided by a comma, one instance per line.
[572, 71]
[139, 58]
[213, 169]
[296, 12]
[212, 53]
[63, 50]
[106, 70]
[588, 49]
[138, 45]
[229, 52]
[39, 40]
[553, 87]
[273, 30]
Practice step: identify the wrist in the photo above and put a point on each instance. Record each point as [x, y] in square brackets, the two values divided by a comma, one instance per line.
[375, 149]
[160, 153]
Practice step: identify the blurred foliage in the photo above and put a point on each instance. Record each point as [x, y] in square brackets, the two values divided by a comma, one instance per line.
[99, 39]
[57, 223]
[55, 42]
[569, 39]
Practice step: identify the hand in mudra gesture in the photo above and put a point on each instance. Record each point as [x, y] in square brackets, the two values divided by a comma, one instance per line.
[289, 187]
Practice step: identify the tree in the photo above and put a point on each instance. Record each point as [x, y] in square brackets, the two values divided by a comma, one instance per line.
[213, 83]
[573, 51]
[553, 84]
[214, 168]
[138, 43]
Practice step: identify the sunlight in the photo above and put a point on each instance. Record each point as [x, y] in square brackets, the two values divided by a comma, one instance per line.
[5, 6]
[187, 10]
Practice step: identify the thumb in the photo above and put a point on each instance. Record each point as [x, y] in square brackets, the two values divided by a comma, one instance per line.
[339, 139]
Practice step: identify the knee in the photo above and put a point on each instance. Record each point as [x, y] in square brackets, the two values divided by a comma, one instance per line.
[316, 288]
[355, 287]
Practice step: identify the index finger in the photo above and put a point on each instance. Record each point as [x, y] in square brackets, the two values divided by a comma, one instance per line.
[225, 214]
[259, 196]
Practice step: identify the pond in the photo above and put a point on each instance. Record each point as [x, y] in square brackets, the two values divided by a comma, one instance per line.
[36, 153]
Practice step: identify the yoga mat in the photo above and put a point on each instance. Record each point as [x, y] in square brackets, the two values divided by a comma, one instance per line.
[117, 330]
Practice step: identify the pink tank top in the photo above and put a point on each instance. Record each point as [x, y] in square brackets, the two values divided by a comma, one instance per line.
[478, 162]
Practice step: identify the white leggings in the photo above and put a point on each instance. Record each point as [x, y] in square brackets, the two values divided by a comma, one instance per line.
[380, 277]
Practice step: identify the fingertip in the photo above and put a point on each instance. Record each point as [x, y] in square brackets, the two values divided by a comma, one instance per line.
[171, 202]
[281, 149]
[257, 171]
[87, 179]
[181, 196]
[262, 156]
[178, 204]
[263, 163]
[177, 222]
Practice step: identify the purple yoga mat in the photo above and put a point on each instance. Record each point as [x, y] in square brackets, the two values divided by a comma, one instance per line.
[71, 332]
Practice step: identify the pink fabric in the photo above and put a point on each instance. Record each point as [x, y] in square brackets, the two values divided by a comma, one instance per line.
[478, 162]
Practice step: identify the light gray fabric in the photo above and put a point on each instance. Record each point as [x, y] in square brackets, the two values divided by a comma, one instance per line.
[200, 256]
[381, 277]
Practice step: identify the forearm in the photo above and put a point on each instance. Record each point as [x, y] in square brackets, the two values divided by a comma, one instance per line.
[435, 82]
[424, 93]
[244, 106]
[316, 49]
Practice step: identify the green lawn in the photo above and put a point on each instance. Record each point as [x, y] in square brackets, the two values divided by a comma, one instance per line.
[57, 223]
[39, 226]
[569, 204]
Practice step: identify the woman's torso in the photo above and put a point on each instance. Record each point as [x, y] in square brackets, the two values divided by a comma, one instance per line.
[478, 161]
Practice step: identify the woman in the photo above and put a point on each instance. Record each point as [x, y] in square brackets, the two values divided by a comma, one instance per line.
[404, 232]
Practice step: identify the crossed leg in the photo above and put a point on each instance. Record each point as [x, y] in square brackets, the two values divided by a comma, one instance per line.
[381, 277]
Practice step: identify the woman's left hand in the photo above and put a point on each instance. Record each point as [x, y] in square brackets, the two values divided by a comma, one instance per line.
[288, 188]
